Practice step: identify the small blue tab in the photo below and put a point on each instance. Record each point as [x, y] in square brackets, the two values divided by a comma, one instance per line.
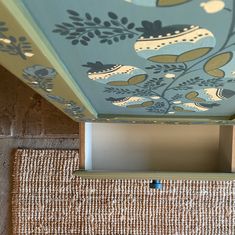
[156, 184]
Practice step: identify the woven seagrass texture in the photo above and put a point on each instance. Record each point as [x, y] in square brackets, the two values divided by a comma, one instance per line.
[47, 199]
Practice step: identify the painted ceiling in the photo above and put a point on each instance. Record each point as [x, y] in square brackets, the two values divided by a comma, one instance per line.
[141, 57]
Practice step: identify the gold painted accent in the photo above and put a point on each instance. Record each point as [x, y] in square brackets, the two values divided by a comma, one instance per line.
[132, 81]
[193, 54]
[134, 106]
[180, 109]
[148, 103]
[137, 79]
[118, 83]
[165, 3]
[144, 104]
[216, 73]
[193, 95]
[163, 58]
[212, 65]
[184, 57]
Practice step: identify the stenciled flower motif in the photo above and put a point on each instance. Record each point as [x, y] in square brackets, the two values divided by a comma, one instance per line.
[40, 76]
[115, 74]
[40, 71]
[173, 43]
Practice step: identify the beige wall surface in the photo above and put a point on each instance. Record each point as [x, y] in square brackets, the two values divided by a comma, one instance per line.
[154, 147]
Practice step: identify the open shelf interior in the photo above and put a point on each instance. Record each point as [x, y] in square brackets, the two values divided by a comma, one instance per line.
[141, 147]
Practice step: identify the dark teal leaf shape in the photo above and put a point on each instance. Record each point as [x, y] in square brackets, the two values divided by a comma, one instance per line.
[88, 16]
[124, 20]
[112, 15]
[75, 42]
[72, 12]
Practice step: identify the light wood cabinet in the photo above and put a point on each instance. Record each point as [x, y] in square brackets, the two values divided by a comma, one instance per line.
[157, 152]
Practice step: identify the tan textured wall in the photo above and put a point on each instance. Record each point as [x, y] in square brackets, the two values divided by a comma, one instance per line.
[155, 147]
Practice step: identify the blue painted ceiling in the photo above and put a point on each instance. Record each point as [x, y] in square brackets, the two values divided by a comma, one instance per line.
[142, 57]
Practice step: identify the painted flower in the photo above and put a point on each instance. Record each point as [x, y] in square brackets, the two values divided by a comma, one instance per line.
[210, 94]
[174, 43]
[158, 3]
[213, 6]
[39, 76]
[221, 65]
[194, 107]
[115, 74]
[40, 71]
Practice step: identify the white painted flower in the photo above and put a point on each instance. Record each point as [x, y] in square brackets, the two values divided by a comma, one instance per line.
[28, 54]
[177, 102]
[155, 97]
[213, 6]
[170, 75]
[5, 40]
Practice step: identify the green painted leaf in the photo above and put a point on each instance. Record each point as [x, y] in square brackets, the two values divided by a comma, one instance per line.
[114, 22]
[67, 24]
[131, 26]
[75, 18]
[72, 12]
[112, 15]
[88, 16]
[124, 20]
[90, 34]
[123, 37]
[75, 42]
[107, 24]
[83, 42]
[97, 20]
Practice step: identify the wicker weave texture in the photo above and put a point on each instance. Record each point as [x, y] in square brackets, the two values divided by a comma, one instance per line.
[47, 199]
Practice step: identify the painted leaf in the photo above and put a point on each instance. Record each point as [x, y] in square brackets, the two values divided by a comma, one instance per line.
[213, 65]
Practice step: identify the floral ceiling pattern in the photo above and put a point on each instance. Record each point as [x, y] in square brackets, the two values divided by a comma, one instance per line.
[129, 57]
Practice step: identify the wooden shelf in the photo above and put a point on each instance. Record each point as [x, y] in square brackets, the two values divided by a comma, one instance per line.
[225, 161]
